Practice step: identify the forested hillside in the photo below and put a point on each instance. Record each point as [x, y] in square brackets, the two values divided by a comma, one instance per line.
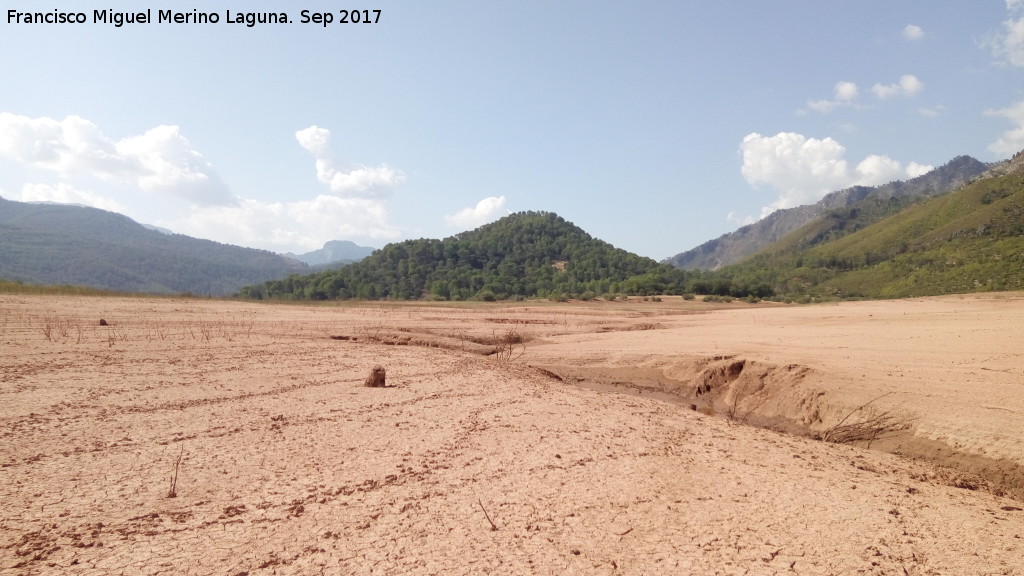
[969, 240]
[528, 254]
[62, 244]
[879, 201]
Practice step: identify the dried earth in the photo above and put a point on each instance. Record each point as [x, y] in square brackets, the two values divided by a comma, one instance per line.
[191, 436]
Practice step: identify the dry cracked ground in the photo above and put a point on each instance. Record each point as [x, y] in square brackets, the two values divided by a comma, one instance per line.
[188, 436]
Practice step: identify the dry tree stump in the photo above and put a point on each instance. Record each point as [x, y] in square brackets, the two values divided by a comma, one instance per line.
[376, 377]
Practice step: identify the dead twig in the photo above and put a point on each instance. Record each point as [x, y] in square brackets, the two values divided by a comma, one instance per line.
[753, 409]
[173, 491]
[861, 407]
[494, 527]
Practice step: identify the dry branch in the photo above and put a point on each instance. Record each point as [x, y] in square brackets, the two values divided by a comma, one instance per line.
[494, 527]
[873, 425]
[173, 491]
[509, 346]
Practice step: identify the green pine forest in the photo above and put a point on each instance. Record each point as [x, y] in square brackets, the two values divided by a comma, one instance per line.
[524, 255]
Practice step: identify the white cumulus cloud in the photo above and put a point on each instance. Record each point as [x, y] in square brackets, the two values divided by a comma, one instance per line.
[915, 169]
[160, 160]
[846, 91]
[912, 32]
[1011, 141]
[356, 181]
[169, 164]
[486, 210]
[298, 226]
[845, 94]
[908, 85]
[802, 170]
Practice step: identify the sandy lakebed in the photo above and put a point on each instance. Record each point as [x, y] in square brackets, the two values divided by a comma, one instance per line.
[190, 436]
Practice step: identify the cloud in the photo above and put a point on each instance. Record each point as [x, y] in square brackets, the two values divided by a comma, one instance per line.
[357, 181]
[1011, 141]
[1008, 43]
[734, 218]
[932, 112]
[914, 169]
[845, 94]
[298, 226]
[802, 170]
[486, 210]
[65, 194]
[161, 160]
[908, 86]
[912, 32]
[877, 169]
[169, 164]
[189, 195]
[354, 208]
[846, 91]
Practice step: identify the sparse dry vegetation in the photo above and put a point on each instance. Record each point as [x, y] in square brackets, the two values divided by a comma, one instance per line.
[509, 345]
[285, 444]
[867, 424]
[60, 328]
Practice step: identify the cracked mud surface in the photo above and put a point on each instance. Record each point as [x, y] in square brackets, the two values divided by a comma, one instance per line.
[288, 465]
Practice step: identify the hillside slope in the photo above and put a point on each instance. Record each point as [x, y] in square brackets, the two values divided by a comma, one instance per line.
[735, 246]
[526, 254]
[967, 241]
[63, 244]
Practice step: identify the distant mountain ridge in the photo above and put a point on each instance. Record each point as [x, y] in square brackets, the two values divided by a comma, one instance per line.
[969, 240]
[66, 244]
[334, 252]
[735, 246]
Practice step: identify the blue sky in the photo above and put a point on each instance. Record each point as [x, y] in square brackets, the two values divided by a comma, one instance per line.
[653, 125]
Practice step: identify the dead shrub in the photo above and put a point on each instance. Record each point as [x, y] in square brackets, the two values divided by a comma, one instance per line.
[871, 425]
[509, 346]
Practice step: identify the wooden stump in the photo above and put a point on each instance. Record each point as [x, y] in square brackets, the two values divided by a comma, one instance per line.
[376, 377]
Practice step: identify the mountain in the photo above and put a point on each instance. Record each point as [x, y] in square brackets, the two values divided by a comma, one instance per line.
[527, 254]
[65, 244]
[334, 252]
[158, 229]
[735, 246]
[969, 240]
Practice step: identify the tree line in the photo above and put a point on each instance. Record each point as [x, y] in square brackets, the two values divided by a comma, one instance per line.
[524, 255]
